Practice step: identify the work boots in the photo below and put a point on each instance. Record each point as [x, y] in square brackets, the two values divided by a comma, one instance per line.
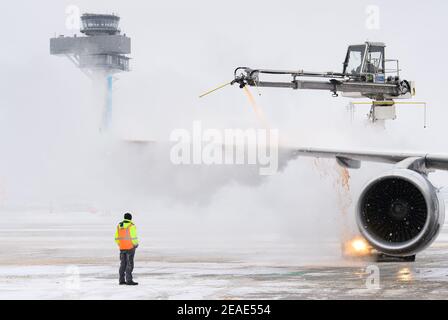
[132, 283]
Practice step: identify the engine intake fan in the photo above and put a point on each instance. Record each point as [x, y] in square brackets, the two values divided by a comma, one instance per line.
[400, 213]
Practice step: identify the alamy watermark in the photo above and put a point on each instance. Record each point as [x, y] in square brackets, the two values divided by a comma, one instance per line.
[73, 16]
[373, 17]
[373, 278]
[72, 284]
[226, 147]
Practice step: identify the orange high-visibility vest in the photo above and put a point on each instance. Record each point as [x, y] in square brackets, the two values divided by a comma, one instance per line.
[124, 237]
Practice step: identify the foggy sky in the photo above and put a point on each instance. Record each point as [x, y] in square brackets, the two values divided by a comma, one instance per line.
[179, 50]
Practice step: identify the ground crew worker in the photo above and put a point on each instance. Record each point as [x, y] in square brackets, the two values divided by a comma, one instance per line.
[126, 238]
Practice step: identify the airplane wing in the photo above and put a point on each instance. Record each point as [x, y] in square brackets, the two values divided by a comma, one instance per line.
[353, 159]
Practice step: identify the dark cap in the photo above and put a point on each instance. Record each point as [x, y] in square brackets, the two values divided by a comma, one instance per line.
[128, 216]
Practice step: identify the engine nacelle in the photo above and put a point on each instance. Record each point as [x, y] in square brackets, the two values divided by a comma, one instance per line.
[400, 213]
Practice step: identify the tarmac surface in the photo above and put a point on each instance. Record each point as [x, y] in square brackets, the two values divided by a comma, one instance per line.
[78, 261]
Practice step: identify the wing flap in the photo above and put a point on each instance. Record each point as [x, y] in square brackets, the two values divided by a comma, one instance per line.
[350, 159]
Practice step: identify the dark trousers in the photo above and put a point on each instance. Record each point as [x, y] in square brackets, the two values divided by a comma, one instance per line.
[126, 265]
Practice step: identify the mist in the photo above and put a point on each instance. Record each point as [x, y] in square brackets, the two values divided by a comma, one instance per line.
[55, 159]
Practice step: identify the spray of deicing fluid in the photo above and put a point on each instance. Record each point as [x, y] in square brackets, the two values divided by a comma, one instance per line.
[340, 177]
[258, 112]
[344, 200]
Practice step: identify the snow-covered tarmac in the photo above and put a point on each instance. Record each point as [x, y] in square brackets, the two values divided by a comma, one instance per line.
[53, 260]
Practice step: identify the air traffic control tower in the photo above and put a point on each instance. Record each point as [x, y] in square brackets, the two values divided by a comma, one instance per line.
[99, 54]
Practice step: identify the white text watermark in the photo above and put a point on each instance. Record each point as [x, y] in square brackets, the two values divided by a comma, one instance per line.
[226, 147]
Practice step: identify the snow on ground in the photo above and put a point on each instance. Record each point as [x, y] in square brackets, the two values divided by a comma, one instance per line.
[53, 259]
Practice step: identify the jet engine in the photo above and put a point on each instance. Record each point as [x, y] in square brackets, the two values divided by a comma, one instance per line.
[400, 213]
